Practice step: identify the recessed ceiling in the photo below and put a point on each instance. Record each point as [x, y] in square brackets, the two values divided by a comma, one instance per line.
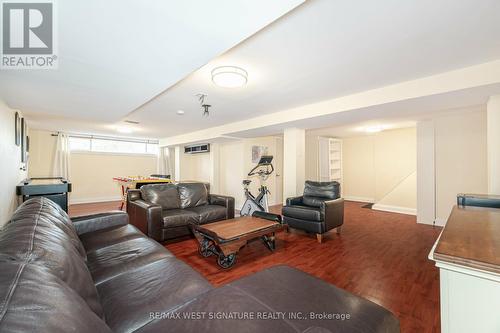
[115, 55]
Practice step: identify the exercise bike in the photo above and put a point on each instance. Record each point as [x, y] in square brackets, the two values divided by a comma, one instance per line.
[263, 170]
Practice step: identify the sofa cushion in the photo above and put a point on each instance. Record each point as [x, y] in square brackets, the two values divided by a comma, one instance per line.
[178, 217]
[98, 239]
[45, 244]
[165, 195]
[327, 190]
[193, 194]
[110, 261]
[48, 213]
[303, 213]
[32, 299]
[277, 291]
[161, 286]
[209, 213]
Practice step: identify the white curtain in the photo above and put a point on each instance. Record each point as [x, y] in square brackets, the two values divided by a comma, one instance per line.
[61, 158]
[163, 166]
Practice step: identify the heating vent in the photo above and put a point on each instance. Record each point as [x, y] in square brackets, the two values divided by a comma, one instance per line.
[131, 122]
[196, 149]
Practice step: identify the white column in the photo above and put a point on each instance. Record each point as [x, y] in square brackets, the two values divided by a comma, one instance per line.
[493, 141]
[177, 163]
[426, 175]
[214, 168]
[293, 162]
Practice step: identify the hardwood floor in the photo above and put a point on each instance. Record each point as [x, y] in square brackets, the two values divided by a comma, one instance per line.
[379, 256]
[93, 208]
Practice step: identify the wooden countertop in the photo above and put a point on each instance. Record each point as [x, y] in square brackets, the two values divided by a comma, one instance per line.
[471, 238]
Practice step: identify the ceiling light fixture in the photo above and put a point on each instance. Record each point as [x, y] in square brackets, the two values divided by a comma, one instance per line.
[374, 129]
[229, 76]
[124, 129]
[180, 112]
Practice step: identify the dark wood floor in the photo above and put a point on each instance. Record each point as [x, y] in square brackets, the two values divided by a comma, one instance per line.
[380, 256]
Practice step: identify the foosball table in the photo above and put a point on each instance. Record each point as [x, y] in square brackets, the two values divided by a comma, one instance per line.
[136, 182]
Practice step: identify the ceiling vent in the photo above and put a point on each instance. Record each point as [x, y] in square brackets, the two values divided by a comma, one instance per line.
[197, 149]
[131, 122]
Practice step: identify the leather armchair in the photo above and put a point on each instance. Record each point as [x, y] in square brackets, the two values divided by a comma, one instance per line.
[318, 211]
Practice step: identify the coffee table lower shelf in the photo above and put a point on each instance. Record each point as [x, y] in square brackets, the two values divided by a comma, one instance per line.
[224, 239]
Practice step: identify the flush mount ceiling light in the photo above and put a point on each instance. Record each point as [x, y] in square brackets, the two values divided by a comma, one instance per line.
[124, 129]
[374, 129]
[180, 112]
[229, 76]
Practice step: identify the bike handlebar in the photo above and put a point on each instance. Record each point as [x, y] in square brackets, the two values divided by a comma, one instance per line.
[265, 173]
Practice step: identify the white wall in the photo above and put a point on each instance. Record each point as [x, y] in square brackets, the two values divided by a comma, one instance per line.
[378, 168]
[10, 171]
[91, 173]
[461, 158]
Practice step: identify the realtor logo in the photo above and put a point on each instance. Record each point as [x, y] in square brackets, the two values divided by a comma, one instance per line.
[28, 35]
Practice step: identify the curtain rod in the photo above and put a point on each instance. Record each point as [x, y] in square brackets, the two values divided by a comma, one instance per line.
[110, 138]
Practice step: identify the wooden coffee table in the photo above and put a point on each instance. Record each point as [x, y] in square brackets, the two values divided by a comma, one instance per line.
[225, 238]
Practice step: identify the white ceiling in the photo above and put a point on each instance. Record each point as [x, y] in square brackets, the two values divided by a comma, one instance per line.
[326, 49]
[322, 49]
[115, 55]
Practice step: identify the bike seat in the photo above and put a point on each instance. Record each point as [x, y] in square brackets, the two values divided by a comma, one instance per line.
[247, 182]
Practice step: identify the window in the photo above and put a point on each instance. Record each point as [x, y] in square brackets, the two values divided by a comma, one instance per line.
[112, 145]
[76, 143]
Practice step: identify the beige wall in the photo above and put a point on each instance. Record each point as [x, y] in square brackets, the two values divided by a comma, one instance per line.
[460, 158]
[378, 168]
[195, 167]
[232, 171]
[235, 161]
[91, 173]
[359, 168]
[10, 171]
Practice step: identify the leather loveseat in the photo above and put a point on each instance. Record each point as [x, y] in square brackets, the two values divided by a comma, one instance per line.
[98, 274]
[166, 211]
[319, 210]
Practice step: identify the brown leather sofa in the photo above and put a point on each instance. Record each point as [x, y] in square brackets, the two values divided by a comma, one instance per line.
[319, 210]
[166, 211]
[98, 273]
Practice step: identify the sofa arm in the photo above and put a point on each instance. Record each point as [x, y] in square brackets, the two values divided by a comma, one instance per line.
[89, 223]
[146, 217]
[225, 201]
[333, 213]
[294, 201]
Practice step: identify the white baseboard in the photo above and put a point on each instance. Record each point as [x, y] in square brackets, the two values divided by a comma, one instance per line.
[95, 199]
[359, 199]
[440, 222]
[395, 209]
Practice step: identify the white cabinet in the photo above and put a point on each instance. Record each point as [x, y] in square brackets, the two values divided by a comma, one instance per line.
[330, 160]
